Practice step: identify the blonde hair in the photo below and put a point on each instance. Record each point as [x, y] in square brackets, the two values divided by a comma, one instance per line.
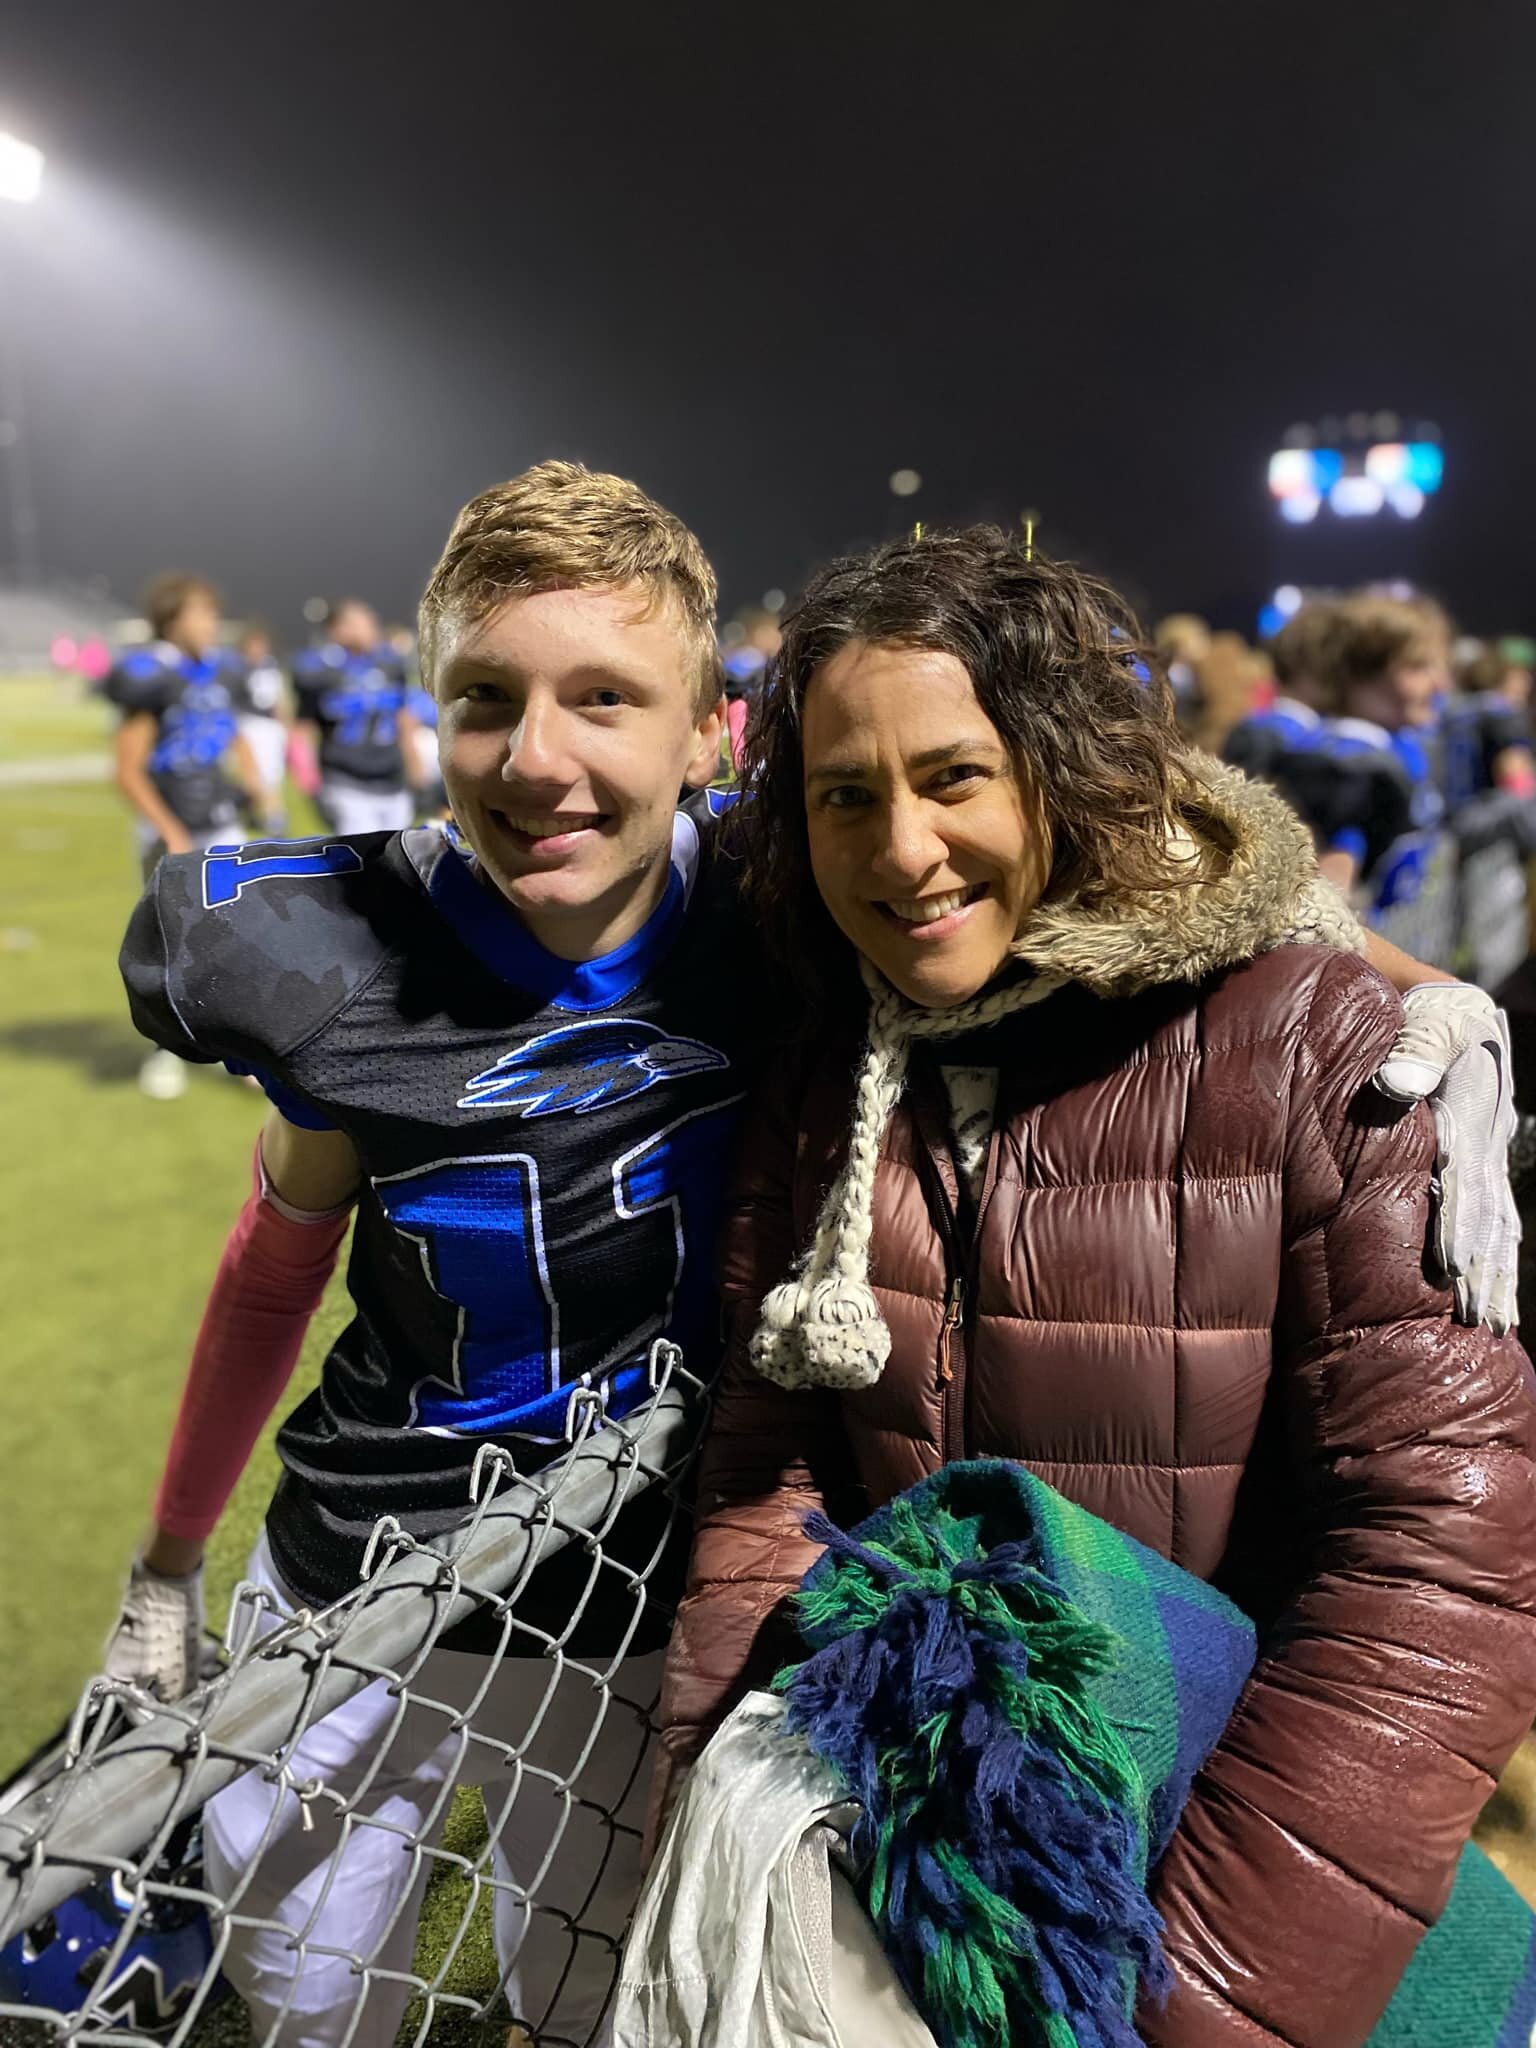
[560, 526]
[1182, 636]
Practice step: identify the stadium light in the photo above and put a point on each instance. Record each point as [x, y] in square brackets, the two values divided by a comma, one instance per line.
[21, 169]
[21, 180]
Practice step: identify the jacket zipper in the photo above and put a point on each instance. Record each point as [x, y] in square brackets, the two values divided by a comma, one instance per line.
[952, 1365]
[952, 1334]
[953, 1309]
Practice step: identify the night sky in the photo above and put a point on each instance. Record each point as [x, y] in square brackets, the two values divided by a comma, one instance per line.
[306, 276]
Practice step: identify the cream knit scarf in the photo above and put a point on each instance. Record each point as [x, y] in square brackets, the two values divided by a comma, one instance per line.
[823, 1327]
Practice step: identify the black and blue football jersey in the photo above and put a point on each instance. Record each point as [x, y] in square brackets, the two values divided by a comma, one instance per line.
[355, 700]
[543, 1143]
[195, 704]
[1260, 743]
[1476, 730]
[1373, 794]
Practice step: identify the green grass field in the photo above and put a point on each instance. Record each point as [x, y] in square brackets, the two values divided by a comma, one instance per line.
[113, 1211]
[48, 716]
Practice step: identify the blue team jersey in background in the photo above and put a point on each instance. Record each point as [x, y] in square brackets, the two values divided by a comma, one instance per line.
[355, 700]
[195, 704]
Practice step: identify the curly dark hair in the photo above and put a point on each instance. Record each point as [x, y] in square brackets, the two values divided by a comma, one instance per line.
[1060, 667]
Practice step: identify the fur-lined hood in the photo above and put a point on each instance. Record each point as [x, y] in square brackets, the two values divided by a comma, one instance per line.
[1258, 887]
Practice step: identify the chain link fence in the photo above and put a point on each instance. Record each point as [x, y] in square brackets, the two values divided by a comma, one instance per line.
[1469, 911]
[1495, 913]
[1426, 918]
[332, 1746]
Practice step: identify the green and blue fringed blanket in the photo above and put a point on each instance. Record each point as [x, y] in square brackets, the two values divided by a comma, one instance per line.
[1019, 1697]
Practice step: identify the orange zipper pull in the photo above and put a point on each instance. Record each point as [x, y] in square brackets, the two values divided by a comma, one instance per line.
[950, 1323]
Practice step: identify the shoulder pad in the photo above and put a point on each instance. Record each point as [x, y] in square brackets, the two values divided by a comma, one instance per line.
[706, 807]
[1355, 760]
[144, 661]
[244, 952]
[1348, 785]
[140, 680]
[1355, 739]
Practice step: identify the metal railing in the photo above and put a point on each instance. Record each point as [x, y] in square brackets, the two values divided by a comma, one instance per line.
[111, 1822]
[1426, 922]
[1470, 912]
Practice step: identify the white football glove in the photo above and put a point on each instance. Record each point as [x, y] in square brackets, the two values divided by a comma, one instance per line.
[1453, 1050]
[156, 1641]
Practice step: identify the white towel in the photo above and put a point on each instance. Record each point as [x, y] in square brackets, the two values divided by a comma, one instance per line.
[747, 1934]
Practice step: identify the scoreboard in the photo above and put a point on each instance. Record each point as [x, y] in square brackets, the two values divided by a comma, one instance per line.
[1363, 467]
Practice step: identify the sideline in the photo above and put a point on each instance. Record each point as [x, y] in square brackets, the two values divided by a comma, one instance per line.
[54, 768]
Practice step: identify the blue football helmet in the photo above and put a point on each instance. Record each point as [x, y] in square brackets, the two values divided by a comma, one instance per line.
[57, 1962]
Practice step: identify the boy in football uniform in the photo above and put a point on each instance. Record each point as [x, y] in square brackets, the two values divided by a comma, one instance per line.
[181, 758]
[350, 702]
[1365, 774]
[180, 699]
[519, 1054]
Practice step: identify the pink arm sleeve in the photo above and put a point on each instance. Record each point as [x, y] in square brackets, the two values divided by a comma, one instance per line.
[268, 1285]
[302, 765]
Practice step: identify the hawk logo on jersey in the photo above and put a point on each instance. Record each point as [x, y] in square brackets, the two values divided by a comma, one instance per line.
[583, 1066]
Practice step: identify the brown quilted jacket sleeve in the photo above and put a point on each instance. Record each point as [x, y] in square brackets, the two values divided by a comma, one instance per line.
[764, 1467]
[1322, 1836]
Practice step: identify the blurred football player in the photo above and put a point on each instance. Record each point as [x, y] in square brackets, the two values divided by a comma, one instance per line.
[1352, 741]
[182, 761]
[747, 662]
[350, 700]
[1487, 728]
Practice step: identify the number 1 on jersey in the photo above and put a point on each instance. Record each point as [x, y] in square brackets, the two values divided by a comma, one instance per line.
[480, 1231]
[227, 870]
[534, 1316]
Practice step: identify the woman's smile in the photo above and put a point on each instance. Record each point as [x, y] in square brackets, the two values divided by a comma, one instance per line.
[932, 918]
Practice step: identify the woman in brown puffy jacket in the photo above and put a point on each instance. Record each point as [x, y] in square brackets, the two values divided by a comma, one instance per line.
[1083, 1175]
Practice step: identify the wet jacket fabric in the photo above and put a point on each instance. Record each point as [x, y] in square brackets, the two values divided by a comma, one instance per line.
[1192, 1296]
